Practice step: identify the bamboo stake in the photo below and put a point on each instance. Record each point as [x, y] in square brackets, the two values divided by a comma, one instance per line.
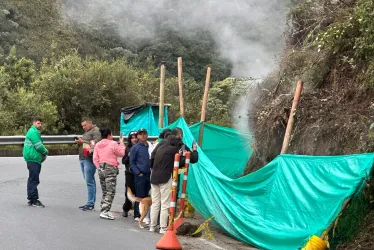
[180, 84]
[291, 120]
[162, 96]
[203, 108]
[326, 232]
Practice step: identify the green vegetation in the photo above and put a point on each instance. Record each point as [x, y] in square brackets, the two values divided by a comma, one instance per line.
[63, 71]
[330, 48]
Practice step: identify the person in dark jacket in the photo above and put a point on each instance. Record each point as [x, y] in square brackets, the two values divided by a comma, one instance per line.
[162, 163]
[140, 165]
[178, 132]
[129, 177]
[161, 137]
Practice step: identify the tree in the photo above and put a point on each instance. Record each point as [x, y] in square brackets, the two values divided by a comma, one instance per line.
[20, 71]
[222, 99]
[85, 87]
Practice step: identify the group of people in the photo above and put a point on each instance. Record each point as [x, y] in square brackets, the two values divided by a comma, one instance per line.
[148, 167]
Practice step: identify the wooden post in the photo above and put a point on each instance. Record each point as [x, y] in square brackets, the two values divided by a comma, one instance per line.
[291, 120]
[203, 108]
[162, 96]
[326, 232]
[180, 84]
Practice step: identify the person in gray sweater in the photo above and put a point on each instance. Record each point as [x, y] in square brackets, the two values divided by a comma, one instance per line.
[86, 144]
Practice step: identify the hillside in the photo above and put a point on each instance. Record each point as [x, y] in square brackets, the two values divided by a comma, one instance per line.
[329, 47]
[47, 41]
[33, 25]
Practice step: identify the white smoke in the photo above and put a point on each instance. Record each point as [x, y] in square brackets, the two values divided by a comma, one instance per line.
[248, 33]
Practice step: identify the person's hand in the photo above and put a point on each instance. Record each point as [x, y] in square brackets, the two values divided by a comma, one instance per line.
[79, 141]
[194, 147]
[140, 174]
[122, 140]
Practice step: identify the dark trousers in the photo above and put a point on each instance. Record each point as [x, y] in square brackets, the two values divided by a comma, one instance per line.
[129, 182]
[142, 185]
[33, 180]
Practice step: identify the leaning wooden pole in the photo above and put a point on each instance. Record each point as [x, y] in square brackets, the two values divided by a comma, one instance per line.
[325, 233]
[291, 119]
[180, 84]
[203, 107]
[162, 96]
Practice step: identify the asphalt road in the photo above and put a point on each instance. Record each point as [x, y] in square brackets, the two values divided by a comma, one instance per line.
[61, 225]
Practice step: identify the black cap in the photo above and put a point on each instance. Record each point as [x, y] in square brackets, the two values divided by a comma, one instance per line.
[142, 130]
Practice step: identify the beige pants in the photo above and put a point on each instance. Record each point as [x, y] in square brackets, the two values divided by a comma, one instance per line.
[160, 199]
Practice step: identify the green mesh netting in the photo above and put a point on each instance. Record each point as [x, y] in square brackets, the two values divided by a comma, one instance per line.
[228, 149]
[279, 206]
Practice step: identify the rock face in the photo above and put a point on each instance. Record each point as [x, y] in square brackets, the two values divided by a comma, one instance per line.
[327, 122]
[188, 229]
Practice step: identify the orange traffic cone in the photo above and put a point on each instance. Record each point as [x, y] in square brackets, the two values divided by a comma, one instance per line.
[169, 240]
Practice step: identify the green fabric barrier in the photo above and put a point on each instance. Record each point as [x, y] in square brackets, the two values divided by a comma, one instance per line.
[281, 205]
[227, 148]
[147, 118]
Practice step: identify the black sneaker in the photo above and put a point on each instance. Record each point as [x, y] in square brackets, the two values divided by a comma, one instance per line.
[82, 207]
[89, 208]
[37, 203]
[125, 214]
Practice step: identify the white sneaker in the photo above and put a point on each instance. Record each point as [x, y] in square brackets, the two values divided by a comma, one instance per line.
[163, 230]
[152, 229]
[136, 219]
[111, 216]
[107, 215]
[147, 221]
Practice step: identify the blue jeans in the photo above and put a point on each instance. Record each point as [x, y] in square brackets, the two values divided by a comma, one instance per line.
[88, 171]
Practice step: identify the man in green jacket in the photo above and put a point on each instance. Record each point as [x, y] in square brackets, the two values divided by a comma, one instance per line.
[34, 154]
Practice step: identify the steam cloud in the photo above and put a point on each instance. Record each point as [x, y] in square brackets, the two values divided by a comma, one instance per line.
[248, 32]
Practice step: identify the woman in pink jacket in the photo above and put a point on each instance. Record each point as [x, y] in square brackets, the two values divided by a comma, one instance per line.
[105, 159]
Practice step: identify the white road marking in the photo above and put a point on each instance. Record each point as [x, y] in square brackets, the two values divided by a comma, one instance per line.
[212, 244]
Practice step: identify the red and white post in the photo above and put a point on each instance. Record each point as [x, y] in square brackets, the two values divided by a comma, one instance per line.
[180, 220]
